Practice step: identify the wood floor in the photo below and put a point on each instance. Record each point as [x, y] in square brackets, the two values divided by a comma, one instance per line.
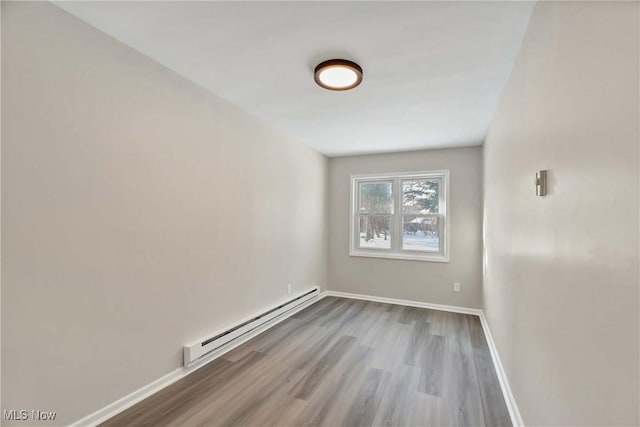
[341, 362]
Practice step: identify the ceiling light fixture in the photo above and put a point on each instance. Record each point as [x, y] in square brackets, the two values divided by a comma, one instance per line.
[338, 74]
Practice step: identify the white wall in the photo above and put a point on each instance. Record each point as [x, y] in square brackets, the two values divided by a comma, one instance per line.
[139, 212]
[413, 280]
[561, 272]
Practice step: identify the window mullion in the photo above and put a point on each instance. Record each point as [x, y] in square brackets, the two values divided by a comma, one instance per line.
[443, 208]
[397, 216]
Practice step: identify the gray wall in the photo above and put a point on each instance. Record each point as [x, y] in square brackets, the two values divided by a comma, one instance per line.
[561, 283]
[139, 212]
[413, 280]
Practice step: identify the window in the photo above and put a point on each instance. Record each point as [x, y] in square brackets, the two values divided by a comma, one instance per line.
[401, 216]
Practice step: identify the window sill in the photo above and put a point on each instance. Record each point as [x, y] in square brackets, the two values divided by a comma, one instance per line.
[401, 256]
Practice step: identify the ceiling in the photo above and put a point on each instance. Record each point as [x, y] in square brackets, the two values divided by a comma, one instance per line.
[433, 71]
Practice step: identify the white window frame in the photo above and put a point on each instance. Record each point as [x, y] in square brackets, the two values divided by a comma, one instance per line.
[396, 251]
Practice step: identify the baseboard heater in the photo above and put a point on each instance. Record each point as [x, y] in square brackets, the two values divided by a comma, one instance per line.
[195, 352]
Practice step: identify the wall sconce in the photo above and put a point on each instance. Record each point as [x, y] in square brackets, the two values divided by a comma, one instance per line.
[541, 183]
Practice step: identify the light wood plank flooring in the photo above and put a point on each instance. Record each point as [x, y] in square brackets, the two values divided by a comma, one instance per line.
[341, 362]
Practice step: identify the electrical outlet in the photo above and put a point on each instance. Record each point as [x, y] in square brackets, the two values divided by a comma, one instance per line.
[456, 287]
[289, 289]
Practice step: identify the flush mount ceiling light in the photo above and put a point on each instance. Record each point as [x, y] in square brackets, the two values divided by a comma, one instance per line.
[338, 74]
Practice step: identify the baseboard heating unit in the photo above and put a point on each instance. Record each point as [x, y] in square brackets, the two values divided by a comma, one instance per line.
[197, 351]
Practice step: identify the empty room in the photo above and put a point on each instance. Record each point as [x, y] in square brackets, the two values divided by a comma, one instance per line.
[328, 213]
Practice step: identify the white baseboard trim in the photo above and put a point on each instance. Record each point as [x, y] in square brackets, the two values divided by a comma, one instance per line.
[516, 419]
[142, 393]
[129, 400]
[452, 308]
[512, 406]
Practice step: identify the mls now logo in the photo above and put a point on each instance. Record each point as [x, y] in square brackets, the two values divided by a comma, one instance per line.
[24, 415]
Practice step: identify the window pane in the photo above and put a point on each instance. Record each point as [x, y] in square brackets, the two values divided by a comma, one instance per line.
[421, 196]
[376, 197]
[420, 233]
[375, 231]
